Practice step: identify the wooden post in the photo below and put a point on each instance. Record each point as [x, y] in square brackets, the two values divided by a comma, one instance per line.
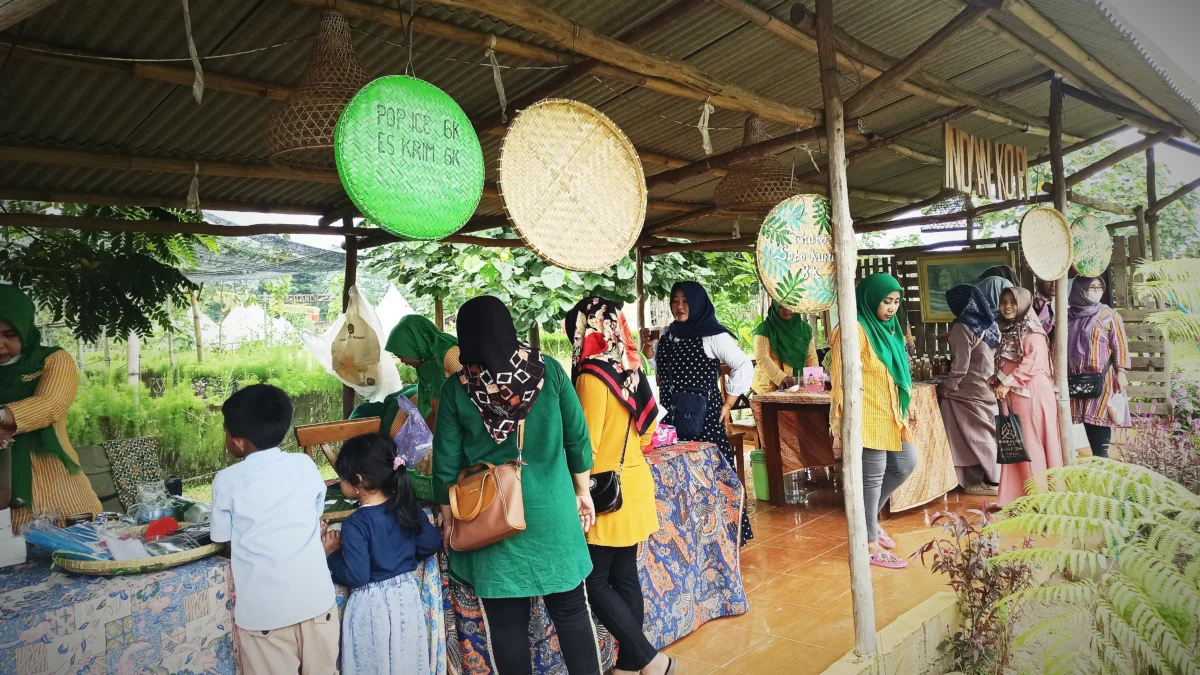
[862, 594]
[350, 280]
[535, 337]
[196, 326]
[170, 341]
[107, 352]
[640, 284]
[79, 354]
[439, 313]
[1151, 198]
[1061, 292]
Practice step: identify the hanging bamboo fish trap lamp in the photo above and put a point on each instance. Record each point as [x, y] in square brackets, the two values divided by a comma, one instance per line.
[756, 184]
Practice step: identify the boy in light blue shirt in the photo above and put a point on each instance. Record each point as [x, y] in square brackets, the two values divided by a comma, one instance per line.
[268, 506]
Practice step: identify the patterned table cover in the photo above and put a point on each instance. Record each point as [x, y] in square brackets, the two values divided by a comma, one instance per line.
[177, 621]
[689, 568]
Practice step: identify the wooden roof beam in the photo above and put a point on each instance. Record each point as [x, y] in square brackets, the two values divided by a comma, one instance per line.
[1171, 198]
[1091, 202]
[1147, 123]
[1114, 158]
[1186, 147]
[1042, 26]
[16, 11]
[113, 162]
[151, 201]
[899, 72]
[620, 61]
[857, 58]
[709, 246]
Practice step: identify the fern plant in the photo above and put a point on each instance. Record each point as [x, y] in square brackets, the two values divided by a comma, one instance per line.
[1128, 554]
[1175, 284]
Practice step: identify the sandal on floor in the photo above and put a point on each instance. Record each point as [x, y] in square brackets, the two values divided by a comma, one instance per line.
[982, 490]
[884, 540]
[889, 560]
[671, 665]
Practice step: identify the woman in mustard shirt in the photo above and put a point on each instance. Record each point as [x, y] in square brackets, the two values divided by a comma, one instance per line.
[621, 414]
[889, 456]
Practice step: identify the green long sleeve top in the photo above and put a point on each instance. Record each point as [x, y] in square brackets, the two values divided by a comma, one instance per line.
[550, 555]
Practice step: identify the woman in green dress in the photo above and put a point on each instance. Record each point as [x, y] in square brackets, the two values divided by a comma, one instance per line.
[503, 383]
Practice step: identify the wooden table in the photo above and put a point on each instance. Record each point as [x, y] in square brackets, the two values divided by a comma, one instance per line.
[933, 477]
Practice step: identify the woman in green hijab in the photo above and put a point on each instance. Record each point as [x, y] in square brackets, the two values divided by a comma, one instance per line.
[889, 456]
[37, 386]
[417, 343]
[783, 347]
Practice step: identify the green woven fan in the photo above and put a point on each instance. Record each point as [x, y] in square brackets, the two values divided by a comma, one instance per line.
[409, 158]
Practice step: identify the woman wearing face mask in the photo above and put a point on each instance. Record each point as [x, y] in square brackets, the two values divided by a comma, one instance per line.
[37, 386]
[688, 356]
[1023, 380]
[968, 406]
[889, 456]
[783, 347]
[1096, 344]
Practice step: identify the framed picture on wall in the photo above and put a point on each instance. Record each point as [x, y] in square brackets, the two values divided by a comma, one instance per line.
[939, 272]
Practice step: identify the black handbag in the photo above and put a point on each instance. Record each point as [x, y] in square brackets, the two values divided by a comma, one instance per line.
[606, 486]
[1085, 386]
[1010, 437]
[688, 410]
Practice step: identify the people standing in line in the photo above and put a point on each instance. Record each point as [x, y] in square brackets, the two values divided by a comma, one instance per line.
[268, 507]
[1096, 343]
[618, 403]
[889, 456]
[1025, 382]
[688, 358]
[968, 405]
[376, 553]
[433, 353]
[783, 347]
[504, 386]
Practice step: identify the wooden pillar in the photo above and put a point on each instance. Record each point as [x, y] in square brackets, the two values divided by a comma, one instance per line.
[640, 282]
[1061, 291]
[1151, 198]
[170, 340]
[351, 279]
[535, 337]
[439, 313]
[861, 592]
[79, 354]
[107, 353]
[196, 326]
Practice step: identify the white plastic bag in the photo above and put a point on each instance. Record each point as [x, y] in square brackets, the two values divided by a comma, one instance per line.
[352, 350]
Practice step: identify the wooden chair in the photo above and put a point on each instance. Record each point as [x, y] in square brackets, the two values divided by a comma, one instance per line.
[323, 434]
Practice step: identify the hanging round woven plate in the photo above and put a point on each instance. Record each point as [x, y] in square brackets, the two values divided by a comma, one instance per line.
[409, 158]
[1046, 243]
[1092, 246]
[572, 185]
[795, 260]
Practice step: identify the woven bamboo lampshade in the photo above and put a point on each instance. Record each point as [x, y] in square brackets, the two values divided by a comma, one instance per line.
[757, 184]
[953, 201]
[300, 131]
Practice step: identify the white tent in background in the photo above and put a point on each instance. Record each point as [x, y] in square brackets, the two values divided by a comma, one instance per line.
[247, 323]
[209, 330]
[391, 309]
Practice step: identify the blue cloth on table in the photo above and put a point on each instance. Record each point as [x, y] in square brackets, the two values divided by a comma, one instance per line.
[375, 547]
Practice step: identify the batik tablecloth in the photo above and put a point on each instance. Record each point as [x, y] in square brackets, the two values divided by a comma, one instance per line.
[689, 568]
[177, 621]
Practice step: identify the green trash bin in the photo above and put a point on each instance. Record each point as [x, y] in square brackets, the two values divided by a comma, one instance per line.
[758, 468]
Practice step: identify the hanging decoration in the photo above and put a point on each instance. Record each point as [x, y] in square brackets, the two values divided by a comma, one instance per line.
[989, 169]
[198, 81]
[794, 255]
[1091, 246]
[706, 109]
[409, 158]
[572, 184]
[1046, 243]
[300, 130]
[755, 184]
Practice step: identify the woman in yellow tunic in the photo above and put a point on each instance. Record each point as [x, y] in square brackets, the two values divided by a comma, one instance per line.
[621, 415]
[889, 456]
[783, 345]
[37, 386]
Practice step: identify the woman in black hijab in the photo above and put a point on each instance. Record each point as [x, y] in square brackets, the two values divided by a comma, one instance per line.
[688, 357]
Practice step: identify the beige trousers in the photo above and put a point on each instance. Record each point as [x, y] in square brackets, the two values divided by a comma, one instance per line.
[305, 648]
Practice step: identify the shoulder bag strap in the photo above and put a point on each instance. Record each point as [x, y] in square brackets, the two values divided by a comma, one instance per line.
[625, 446]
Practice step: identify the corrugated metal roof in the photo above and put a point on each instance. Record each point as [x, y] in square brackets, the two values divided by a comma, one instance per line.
[52, 106]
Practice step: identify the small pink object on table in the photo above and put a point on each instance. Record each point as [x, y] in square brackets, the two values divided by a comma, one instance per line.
[665, 434]
[814, 378]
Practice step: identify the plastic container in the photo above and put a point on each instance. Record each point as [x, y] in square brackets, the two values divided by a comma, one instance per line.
[758, 469]
[794, 490]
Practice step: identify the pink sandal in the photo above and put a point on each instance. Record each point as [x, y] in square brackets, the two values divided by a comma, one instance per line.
[884, 540]
[889, 560]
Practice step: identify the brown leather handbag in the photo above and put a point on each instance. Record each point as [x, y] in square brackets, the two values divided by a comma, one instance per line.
[487, 503]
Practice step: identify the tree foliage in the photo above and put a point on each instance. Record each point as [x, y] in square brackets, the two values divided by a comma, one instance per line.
[93, 280]
[1175, 284]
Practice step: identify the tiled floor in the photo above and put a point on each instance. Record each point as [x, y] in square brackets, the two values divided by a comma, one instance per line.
[796, 575]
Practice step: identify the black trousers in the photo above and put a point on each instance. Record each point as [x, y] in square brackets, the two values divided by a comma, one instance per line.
[1099, 438]
[616, 597]
[508, 632]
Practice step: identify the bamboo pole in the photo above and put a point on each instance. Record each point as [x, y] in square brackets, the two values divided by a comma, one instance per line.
[1178, 194]
[348, 282]
[16, 11]
[96, 160]
[1058, 171]
[150, 201]
[861, 592]
[1151, 197]
[858, 59]
[439, 313]
[1114, 158]
[1040, 24]
[899, 72]
[195, 295]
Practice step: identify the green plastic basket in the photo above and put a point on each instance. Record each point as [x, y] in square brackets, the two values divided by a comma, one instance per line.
[422, 485]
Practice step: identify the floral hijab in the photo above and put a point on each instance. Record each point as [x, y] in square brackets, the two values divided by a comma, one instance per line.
[1012, 333]
[602, 346]
[502, 375]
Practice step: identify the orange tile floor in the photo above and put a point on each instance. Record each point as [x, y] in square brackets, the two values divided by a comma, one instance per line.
[797, 577]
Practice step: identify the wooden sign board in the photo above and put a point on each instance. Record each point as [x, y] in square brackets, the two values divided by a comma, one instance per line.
[985, 168]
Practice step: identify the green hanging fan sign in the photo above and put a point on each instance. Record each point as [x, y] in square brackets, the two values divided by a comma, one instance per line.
[409, 158]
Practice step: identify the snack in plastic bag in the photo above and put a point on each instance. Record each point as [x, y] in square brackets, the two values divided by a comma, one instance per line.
[665, 435]
[351, 351]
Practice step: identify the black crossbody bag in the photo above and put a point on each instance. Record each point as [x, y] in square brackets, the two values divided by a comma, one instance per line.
[606, 485]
